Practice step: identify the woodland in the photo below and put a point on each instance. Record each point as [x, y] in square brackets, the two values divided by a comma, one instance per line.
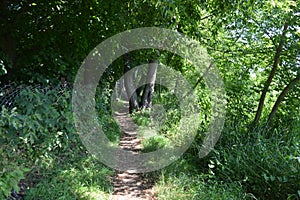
[255, 45]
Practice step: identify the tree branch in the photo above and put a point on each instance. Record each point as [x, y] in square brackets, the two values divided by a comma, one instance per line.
[281, 97]
[271, 75]
[198, 81]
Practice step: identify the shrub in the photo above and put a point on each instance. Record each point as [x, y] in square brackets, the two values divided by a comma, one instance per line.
[11, 171]
[40, 122]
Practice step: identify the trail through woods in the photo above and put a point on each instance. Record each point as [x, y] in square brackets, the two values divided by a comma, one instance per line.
[129, 185]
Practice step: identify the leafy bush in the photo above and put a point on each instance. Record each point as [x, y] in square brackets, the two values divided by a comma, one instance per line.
[11, 171]
[39, 123]
[40, 132]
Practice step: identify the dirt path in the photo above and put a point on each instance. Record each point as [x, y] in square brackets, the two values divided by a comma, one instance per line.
[129, 185]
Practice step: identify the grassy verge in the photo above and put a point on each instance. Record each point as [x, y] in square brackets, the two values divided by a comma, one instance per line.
[182, 180]
[78, 177]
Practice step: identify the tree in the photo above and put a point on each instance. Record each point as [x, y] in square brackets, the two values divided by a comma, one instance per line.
[281, 97]
[272, 73]
[149, 87]
[249, 41]
[138, 100]
[129, 85]
[43, 40]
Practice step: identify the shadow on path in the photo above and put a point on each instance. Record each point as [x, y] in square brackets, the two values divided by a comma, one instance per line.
[128, 185]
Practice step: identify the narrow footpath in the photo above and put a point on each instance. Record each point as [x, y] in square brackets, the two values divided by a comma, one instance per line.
[128, 185]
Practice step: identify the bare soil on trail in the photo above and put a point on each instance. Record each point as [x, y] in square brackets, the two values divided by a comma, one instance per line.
[128, 185]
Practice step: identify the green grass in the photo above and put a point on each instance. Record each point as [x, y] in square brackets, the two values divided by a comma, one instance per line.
[154, 143]
[182, 180]
[78, 177]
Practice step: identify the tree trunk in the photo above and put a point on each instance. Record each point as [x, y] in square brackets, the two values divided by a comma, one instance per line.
[136, 99]
[129, 85]
[271, 75]
[149, 87]
[141, 88]
[281, 97]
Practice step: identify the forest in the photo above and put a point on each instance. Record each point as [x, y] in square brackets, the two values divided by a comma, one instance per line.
[187, 99]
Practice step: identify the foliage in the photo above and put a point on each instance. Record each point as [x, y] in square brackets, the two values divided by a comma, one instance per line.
[41, 122]
[183, 180]
[12, 171]
[105, 119]
[4, 63]
[267, 167]
[30, 131]
[72, 177]
[254, 44]
[39, 132]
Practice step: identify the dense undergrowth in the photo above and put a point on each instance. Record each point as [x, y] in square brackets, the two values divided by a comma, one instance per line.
[40, 145]
[40, 148]
[247, 163]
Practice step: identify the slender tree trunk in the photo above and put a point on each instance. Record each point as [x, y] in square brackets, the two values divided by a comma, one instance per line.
[281, 97]
[129, 85]
[271, 75]
[142, 80]
[149, 88]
